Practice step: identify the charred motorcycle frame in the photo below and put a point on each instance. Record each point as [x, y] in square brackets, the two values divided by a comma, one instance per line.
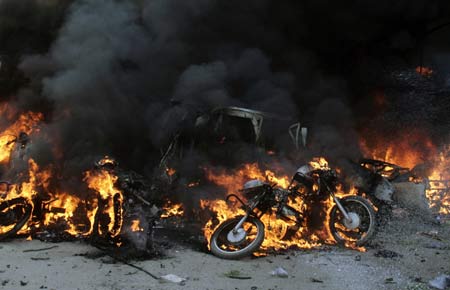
[352, 218]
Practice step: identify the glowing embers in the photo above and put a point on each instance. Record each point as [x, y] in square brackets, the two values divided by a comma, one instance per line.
[171, 210]
[424, 71]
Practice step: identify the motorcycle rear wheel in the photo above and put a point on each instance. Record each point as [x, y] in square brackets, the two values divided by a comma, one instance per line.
[359, 234]
[14, 214]
[223, 248]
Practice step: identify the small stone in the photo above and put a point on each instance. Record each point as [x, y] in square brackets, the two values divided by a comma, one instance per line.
[173, 278]
[440, 282]
[23, 283]
[280, 272]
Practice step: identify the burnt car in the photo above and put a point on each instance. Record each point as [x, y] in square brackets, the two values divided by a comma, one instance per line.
[226, 131]
[222, 137]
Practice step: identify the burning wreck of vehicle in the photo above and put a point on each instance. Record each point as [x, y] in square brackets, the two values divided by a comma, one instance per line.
[120, 208]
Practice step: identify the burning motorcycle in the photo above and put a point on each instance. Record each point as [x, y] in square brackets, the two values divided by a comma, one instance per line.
[351, 219]
[14, 213]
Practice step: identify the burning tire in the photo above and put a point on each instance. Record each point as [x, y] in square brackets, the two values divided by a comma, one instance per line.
[226, 245]
[362, 226]
[14, 214]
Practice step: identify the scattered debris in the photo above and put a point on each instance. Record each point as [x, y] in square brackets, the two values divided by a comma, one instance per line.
[389, 281]
[40, 258]
[440, 282]
[173, 278]
[129, 264]
[4, 282]
[431, 234]
[387, 254]
[437, 245]
[131, 273]
[236, 274]
[280, 272]
[41, 249]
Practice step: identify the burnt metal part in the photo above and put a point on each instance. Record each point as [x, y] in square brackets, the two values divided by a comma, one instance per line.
[376, 179]
[391, 172]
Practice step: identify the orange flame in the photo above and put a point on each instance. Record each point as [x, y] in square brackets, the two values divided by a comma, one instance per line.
[26, 123]
[170, 210]
[413, 149]
[135, 226]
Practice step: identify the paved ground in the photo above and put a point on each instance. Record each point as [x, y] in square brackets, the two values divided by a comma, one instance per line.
[420, 258]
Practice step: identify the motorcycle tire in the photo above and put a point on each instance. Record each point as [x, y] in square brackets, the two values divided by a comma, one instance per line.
[366, 215]
[101, 225]
[18, 211]
[225, 228]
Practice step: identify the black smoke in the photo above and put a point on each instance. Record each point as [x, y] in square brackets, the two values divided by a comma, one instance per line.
[123, 77]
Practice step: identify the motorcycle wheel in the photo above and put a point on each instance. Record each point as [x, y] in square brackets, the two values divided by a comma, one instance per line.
[104, 227]
[14, 214]
[361, 229]
[245, 243]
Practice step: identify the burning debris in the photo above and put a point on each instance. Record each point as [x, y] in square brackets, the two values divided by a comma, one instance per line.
[430, 176]
[32, 204]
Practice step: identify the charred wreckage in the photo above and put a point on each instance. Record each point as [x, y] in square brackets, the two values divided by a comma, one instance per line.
[123, 207]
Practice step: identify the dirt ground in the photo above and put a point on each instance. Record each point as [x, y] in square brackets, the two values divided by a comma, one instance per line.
[413, 250]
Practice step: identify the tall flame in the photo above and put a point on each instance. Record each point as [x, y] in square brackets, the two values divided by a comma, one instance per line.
[103, 182]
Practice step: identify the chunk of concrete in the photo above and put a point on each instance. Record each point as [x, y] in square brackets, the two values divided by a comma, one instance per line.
[412, 196]
[441, 282]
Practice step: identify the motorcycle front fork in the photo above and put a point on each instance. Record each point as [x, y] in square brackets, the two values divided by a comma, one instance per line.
[240, 223]
[341, 208]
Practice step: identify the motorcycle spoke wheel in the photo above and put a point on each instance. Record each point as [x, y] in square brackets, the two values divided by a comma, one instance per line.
[250, 236]
[248, 239]
[358, 233]
[14, 214]
[277, 229]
